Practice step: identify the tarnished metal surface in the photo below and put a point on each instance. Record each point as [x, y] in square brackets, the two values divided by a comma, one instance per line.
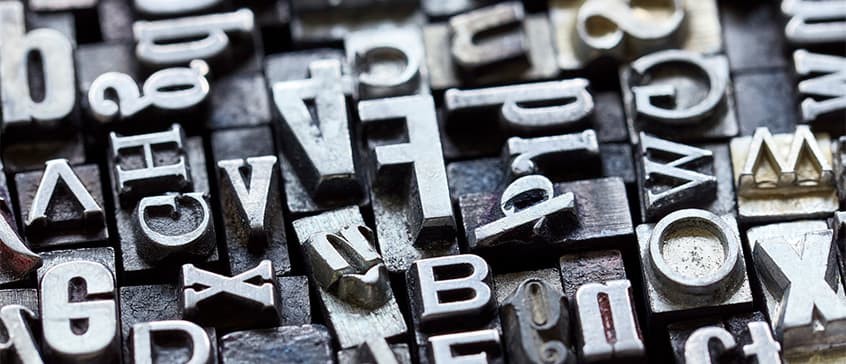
[422, 181]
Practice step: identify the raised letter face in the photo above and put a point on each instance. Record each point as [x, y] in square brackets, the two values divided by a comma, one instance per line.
[784, 176]
[56, 53]
[676, 287]
[247, 299]
[607, 321]
[473, 279]
[143, 336]
[484, 344]
[138, 168]
[351, 279]
[160, 236]
[470, 54]
[388, 63]
[348, 265]
[77, 328]
[674, 175]
[320, 149]
[172, 89]
[162, 43]
[423, 216]
[814, 22]
[530, 211]
[797, 263]
[20, 344]
[253, 201]
[824, 77]
[577, 104]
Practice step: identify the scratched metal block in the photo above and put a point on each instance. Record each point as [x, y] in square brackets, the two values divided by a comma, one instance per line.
[295, 300]
[838, 224]
[53, 213]
[352, 324]
[695, 92]
[687, 25]
[540, 57]
[602, 217]
[766, 99]
[437, 314]
[400, 352]
[127, 223]
[140, 304]
[330, 25]
[600, 266]
[295, 66]
[285, 344]
[742, 338]
[753, 36]
[784, 176]
[27, 297]
[676, 188]
[245, 250]
[239, 101]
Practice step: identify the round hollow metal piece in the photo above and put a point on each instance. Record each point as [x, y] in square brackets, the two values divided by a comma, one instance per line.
[694, 251]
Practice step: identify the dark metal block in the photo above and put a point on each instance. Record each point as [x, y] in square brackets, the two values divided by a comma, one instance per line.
[329, 25]
[754, 38]
[286, 344]
[27, 297]
[140, 304]
[539, 57]
[93, 60]
[65, 220]
[742, 335]
[239, 101]
[766, 99]
[578, 269]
